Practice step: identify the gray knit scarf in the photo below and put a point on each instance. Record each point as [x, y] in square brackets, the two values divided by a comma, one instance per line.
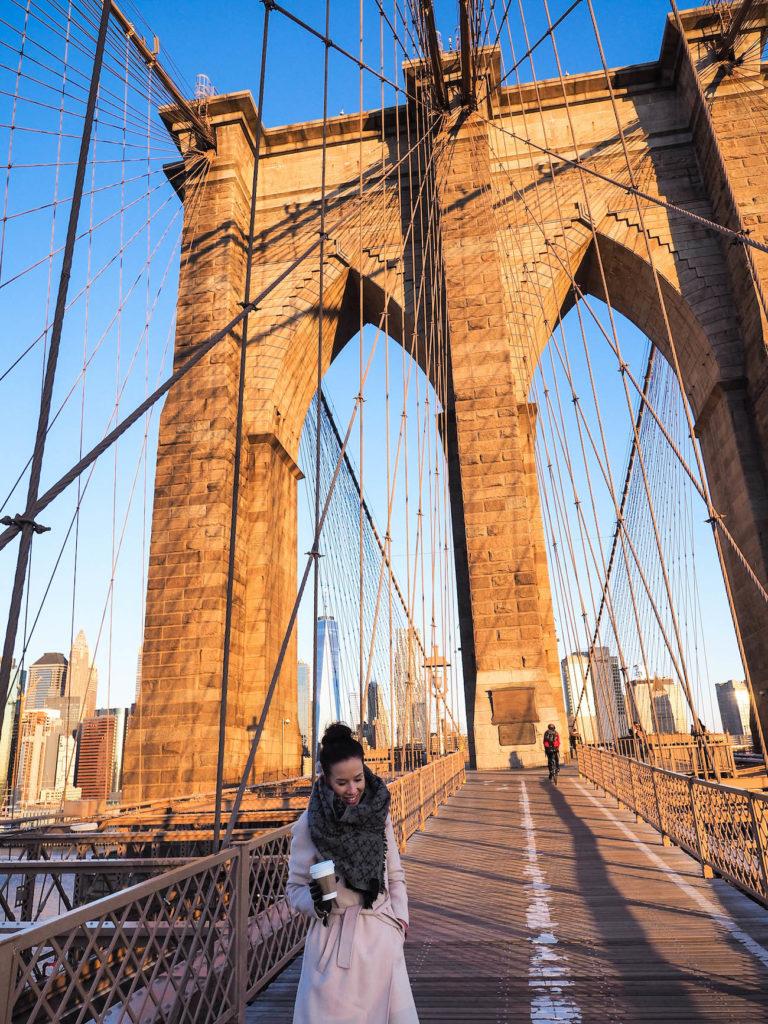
[352, 837]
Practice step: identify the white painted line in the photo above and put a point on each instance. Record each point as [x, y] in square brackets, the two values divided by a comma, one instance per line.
[548, 974]
[719, 916]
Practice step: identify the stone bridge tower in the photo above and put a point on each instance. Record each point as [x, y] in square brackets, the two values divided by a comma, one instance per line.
[699, 147]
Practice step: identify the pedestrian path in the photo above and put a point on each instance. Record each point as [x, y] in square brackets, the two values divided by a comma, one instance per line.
[543, 904]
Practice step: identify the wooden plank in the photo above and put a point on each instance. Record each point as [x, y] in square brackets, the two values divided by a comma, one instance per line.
[561, 916]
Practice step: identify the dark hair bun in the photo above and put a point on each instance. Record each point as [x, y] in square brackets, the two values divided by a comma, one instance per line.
[336, 733]
[339, 743]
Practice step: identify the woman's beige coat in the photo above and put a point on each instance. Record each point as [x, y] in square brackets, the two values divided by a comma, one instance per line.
[354, 970]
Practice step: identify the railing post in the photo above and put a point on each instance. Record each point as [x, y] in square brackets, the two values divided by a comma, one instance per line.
[422, 818]
[665, 840]
[7, 961]
[242, 898]
[762, 853]
[701, 838]
[435, 801]
[634, 792]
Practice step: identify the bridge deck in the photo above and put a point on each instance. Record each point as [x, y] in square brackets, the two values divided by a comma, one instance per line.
[530, 903]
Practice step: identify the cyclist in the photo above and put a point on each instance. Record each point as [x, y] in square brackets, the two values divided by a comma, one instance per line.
[552, 750]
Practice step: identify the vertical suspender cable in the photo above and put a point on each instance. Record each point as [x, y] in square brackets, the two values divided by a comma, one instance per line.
[238, 447]
[319, 380]
[28, 528]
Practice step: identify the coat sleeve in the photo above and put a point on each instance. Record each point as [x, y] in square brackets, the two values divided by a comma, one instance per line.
[303, 855]
[398, 894]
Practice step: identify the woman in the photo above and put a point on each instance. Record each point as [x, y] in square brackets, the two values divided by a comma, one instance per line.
[354, 970]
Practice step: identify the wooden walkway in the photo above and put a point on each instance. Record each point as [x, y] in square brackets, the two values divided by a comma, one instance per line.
[530, 903]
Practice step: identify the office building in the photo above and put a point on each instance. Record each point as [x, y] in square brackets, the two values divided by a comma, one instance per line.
[371, 727]
[597, 692]
[94, 773]
[9, 731]
[661, 705]
[81, 685]
[734, 703]
[121, 716]
[410, 688]
[304, 694]
[37, 756]
[579, 695]
[328, 674]
[46, 681]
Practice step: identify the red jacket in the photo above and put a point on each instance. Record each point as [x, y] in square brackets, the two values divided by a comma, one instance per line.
[551, 740]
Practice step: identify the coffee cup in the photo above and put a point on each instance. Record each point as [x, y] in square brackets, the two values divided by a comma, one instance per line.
[324, 873]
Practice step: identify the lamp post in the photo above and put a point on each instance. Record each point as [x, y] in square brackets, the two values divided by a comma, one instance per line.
[283, 723]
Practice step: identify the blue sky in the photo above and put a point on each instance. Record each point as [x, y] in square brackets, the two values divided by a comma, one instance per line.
[222, 41]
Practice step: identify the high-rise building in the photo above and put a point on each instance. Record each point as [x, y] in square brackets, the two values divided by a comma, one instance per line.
[9, 731]
[304, 692]
[576, 678]
[81, 685]
[37, 756]
[373, 700]
[734, 703]
[46, 681]
[660, 704]
[371, 728]
[328, 674]
[609, 694]
[602, 708]
[60, 760]
[121, 716]
[96, 756]
[410, 688]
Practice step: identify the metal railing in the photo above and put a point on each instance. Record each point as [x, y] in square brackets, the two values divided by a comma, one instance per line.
[678, 752]
[192, 945]
[724, 828]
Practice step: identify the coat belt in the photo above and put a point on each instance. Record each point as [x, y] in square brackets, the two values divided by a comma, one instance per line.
[343, 942]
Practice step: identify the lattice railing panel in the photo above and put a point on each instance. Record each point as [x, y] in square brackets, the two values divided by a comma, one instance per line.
[189, 946]
[723, 827]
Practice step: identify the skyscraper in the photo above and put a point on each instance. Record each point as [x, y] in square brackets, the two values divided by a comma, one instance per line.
[603, 709]
[609, 694]
[121, 716]
[46, 681]
[9, 728]
[734, 703]
[576, 678]
[304, 692]
[328, 674]
[82, 682]
[410, 688]
[37, 769]
[660, 704]
[96, 756]
[371, 729]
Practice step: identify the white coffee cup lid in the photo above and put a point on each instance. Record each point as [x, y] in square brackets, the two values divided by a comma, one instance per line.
[323, 868]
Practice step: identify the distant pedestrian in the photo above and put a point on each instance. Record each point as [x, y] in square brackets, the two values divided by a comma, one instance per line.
[574, 739]
[353, 967]
[552, 750]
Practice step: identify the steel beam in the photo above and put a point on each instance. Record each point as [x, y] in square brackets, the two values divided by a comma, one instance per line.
[202, 131]
[433, 45]
[466, 19]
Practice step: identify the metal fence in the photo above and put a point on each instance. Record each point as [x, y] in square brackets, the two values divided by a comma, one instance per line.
[724, 828]
[191, 946]
[678, 752]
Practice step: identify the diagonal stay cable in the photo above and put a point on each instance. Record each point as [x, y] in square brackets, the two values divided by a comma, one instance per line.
[632, 190]
[34, 508]
[26, 523]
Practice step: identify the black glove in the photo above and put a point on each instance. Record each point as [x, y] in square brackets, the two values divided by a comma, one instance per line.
[322, 907]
